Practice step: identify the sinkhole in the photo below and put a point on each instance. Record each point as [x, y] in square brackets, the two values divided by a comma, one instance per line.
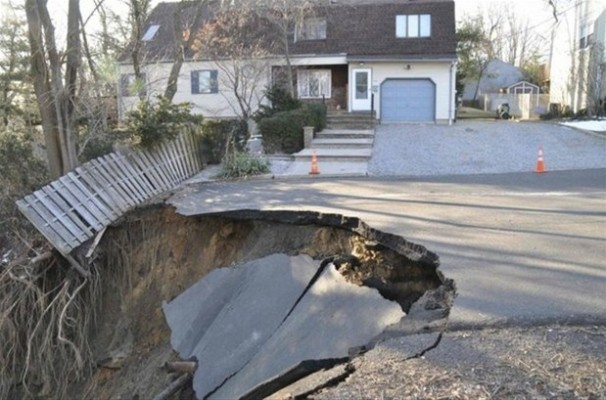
[257, 299]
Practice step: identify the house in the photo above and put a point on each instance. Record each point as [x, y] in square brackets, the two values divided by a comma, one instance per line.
[497, 75]
[578, 64]
[396, 58]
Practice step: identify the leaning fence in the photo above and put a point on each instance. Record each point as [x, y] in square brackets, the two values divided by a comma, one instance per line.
[73, 209]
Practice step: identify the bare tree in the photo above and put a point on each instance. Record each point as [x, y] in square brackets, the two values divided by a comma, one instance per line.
[138, 13]
[237, 41]
[475, 48]
[284, 16]
[183, 40]
[56, 99]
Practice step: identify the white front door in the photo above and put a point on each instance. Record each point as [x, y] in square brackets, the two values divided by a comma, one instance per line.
[361, 89]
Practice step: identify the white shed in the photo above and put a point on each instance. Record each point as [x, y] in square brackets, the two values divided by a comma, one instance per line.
[523, 87]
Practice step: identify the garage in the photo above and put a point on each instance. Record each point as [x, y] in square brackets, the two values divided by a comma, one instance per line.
[412, 100]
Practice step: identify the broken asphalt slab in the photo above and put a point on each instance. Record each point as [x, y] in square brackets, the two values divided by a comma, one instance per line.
[272, 321]
[223, 319]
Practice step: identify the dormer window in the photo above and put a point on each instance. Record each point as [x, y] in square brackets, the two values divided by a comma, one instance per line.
[311, 29]
[413, 26]
[150, 33]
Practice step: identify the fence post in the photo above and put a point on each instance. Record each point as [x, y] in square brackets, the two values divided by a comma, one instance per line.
[372, 110]
[308, 135]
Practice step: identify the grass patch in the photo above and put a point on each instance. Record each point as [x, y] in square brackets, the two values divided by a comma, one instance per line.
[241, 165]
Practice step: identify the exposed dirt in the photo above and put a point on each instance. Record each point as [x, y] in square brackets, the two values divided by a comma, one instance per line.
[154, 254]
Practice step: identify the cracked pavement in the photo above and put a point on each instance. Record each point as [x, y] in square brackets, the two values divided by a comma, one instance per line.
[527, 254]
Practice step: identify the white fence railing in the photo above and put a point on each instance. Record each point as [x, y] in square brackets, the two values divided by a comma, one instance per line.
[524, 106]
[74, 208]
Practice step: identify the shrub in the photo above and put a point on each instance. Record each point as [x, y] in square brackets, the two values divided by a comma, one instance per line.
[102, 144]
[318, 115]
[549, 115]
[241, 165]
[284, 131]
[279, 99]
[22, 173]
[216, 133]
[160, 121]
[581, 114]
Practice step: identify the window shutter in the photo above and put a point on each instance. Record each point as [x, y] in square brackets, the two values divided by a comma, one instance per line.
[214, 83]
[195, 82]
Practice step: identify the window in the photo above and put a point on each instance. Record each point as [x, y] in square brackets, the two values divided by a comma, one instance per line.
[314, 83]
[586, 37]
[311, 29]
[413, 26]
[150, 33]
[129, 86]
[204, 81]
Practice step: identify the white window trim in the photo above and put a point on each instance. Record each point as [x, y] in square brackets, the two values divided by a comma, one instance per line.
[301, 80]
[421, 22]
[301, 27]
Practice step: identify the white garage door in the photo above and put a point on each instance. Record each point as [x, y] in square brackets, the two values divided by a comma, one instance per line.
[408, 100]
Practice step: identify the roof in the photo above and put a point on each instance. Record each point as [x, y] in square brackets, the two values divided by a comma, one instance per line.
[357, 28]
[498, 74]
[161, 46]
[369, 30]
[523, 83]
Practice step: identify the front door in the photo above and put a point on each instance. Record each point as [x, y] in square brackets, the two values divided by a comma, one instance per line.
[361, 89]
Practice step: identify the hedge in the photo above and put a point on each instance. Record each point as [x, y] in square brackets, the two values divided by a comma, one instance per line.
[214, 135]
[283, 132]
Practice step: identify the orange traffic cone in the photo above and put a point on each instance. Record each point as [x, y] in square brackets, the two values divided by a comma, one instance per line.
[540, 162]
[314, 164]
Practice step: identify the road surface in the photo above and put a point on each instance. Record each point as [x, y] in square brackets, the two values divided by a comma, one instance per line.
[522, 248]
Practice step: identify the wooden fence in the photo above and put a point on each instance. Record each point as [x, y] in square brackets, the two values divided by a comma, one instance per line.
[73, 209]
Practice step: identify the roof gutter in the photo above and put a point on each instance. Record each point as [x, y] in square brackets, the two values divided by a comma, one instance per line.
[408, 59]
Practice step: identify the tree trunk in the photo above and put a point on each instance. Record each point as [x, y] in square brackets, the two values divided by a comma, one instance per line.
[290, 87]
[42, 89]
[139, 9]
[74, 57]
[181, 46]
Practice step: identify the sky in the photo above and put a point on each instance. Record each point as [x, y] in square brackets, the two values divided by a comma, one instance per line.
[538, 9]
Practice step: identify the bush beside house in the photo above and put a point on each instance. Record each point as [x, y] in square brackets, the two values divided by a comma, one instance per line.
[281, 124]
[283, 132]
[215, 134]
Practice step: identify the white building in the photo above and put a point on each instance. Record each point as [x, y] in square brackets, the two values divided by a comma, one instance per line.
[578, 35]
[396, 58]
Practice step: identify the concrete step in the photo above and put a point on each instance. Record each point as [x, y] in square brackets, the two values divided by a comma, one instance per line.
[345, 143]
[350, 125]
[345, 114]
[334, 155]
[349, 120]
[346, 133]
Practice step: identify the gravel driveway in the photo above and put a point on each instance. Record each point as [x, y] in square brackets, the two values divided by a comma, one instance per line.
[477, 147]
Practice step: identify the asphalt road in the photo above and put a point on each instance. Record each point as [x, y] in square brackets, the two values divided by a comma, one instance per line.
[522, 248]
